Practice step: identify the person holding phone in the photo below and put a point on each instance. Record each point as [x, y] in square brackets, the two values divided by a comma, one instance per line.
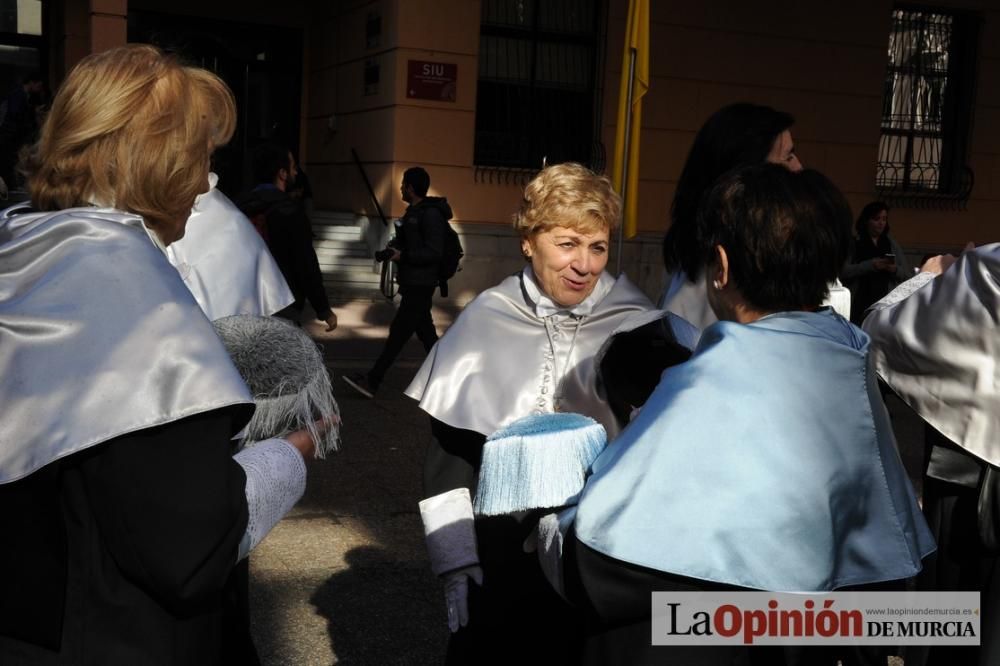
[877, 262]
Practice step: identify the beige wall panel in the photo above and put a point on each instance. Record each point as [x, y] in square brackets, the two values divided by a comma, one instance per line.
[852, 21]
[351, 85]
[988, 90]
[654, 206]
[465, 93]
[107, 32]
[434, 136]
[322, 86]
[350, 193]
[662, 155]
[289, 13]
[669, 104]
[986, 166]
[986, 130]
[472, 202]
[109, 6]
[444, 26]
[323, 42]
[371, 133]
[350, 30]
[851, 168]
[743, 59]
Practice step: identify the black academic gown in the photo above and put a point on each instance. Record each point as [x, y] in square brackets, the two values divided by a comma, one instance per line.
[125, 553]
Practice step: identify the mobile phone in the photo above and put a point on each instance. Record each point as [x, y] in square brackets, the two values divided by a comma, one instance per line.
[889, 255]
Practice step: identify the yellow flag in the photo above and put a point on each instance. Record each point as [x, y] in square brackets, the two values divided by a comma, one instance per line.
[635, 83]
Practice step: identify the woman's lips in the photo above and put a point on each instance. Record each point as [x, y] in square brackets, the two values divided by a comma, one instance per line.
[575, 285]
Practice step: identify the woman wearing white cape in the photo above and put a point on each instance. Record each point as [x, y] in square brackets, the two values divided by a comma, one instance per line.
[935, 342]
[129, 514]
[526, 346]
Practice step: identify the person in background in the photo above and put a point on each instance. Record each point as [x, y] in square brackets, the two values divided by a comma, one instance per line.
[418, 249]
[287, 231]
[131, 518]
[225, 262]
[877, 263]
[735, 135]
[935, 341]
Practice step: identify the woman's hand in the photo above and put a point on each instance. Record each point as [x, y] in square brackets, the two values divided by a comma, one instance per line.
[938, 264]
[303, 441]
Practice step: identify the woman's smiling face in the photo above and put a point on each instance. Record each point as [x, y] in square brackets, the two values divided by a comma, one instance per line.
[567, 262]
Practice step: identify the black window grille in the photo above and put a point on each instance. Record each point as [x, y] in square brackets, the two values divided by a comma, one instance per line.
[926, 106]
[537, 95]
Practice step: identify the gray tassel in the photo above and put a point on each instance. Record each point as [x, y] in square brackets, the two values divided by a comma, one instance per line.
[537, 462]
[285, 372]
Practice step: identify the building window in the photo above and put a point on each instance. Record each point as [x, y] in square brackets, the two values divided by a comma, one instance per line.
[536, 97]
[926, 106]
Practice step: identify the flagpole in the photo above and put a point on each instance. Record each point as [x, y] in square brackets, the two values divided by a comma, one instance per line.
[625, 152]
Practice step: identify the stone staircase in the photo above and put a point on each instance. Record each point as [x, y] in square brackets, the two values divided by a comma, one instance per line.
[349, 271]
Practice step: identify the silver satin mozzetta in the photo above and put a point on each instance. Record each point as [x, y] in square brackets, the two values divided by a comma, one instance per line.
[224, 261]
[939, 348]
[514, 352]
[99, 337]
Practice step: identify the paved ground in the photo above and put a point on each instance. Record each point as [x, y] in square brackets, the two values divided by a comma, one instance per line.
[344, 577]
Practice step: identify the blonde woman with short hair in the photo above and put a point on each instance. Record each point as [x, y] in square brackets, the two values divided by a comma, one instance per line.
[126, 510]
[527, 346]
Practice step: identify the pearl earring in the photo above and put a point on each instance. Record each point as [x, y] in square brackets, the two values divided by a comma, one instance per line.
[717, 284]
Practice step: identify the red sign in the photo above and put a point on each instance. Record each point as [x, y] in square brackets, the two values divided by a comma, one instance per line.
[431, 80]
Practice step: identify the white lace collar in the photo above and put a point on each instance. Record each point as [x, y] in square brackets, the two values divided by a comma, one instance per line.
[545, 306]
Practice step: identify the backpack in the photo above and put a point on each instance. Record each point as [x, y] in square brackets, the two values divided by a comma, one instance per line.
[450, 259]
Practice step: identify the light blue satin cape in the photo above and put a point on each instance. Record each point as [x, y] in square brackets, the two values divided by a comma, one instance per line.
[767, 461]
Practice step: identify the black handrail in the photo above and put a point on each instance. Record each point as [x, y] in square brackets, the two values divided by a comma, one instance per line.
[371, 192]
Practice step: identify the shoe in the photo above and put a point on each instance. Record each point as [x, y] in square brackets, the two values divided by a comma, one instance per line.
[359, 382]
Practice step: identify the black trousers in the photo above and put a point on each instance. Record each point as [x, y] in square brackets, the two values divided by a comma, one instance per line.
[413, 316]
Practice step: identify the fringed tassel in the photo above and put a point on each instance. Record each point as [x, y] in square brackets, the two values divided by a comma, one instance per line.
[280, 415]
[537, 462]
[285, 372]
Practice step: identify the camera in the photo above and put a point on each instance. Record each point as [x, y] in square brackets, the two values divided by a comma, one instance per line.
[384, 255]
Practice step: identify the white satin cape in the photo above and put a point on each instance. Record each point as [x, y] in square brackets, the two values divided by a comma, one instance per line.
[224, 261]
[99, 337]
[938, 348]
[513, 352]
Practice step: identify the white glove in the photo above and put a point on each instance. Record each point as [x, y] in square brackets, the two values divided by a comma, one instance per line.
[456, 594]
[450, 532]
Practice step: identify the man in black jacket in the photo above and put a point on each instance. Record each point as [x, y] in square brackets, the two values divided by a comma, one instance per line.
[418, 248]
[286, 229]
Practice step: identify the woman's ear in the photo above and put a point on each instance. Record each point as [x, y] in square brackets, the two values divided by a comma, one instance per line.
[720, 268]
[526, 248]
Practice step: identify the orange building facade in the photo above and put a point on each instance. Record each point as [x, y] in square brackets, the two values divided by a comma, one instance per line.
[478, 92]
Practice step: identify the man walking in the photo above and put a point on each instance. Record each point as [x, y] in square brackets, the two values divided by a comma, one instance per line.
[418, 248]
[285, 226]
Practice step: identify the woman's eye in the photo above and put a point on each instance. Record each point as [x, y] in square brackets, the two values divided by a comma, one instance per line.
[599, 249]
[567, 245]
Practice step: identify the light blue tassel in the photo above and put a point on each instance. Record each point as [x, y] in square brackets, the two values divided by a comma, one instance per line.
[540, 461]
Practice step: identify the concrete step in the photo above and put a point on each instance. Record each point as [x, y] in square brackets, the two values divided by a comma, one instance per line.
[334, 218]
[338, 233]
[358, 274]
[337, 259]
[352, 249]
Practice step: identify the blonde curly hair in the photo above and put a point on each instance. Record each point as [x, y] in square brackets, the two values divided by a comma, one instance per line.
[568, 195]
[134, 129]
